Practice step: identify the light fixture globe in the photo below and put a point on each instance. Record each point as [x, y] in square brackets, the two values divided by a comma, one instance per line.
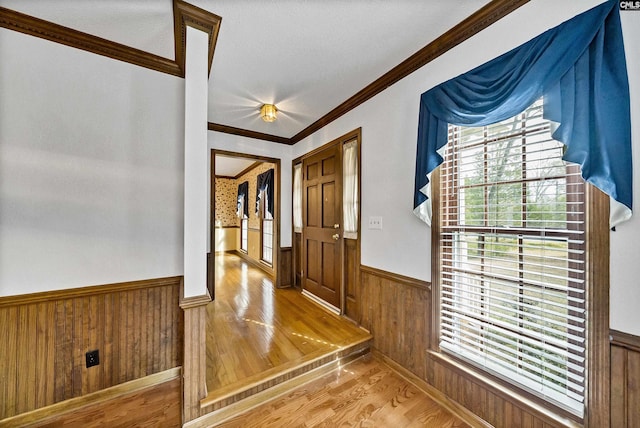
[268, 112]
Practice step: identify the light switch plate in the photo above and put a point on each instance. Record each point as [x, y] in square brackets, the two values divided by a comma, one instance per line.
[375, 223]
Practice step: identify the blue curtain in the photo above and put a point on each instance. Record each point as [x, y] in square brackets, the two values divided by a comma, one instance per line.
[265, 183]
[580, 69]
[243, 199]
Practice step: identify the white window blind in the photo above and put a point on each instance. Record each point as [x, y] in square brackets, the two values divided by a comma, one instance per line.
[267, 240]
[512, 269]
[244, 232]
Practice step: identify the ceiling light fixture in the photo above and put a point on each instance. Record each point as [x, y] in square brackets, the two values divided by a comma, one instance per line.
[268, 112]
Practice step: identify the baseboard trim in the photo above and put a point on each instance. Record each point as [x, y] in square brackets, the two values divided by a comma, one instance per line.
[40, 416]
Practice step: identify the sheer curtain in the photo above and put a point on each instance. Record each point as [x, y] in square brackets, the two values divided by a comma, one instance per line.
[297, 198]
[350, 189]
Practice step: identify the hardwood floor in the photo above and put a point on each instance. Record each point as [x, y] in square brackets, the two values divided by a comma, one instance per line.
[256, 332]
[365, 393]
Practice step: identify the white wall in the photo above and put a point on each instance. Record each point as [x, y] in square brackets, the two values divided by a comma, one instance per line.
[250, 146]
[625, 242]
[196, 163]
[389, 124]
[91, 168]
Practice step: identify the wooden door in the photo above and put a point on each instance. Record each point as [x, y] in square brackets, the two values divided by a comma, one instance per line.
[322, 230]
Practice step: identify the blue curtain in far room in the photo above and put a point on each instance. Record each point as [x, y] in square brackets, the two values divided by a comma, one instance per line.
[580, 69]
[265, 189]
[243, 196]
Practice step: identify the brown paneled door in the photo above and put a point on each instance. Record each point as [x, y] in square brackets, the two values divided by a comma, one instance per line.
[322, 232]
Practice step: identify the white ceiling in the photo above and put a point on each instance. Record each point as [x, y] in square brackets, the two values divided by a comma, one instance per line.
[230, 166]
[305, 56]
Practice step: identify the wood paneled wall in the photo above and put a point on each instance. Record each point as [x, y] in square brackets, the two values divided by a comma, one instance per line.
[625, 380]
[297, 256]
[136, 326]
[351, 279]
[396, 309]
[285, 267]
[194, 369]
[487, 399]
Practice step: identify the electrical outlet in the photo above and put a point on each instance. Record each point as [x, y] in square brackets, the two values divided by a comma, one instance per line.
[375, 223]
[93, 358]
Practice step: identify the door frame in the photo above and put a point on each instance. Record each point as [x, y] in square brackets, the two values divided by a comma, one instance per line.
[297, 250]
[276, 272]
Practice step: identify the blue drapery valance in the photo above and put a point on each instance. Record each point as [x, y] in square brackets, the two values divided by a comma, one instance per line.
[265, 184]
[580, 69]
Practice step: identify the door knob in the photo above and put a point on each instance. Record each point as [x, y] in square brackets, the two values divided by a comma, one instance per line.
[336, 236]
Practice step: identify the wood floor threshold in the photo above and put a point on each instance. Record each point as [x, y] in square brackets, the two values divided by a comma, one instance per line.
[452, 406]
[40, 416]
[224, 414]
[253, 385]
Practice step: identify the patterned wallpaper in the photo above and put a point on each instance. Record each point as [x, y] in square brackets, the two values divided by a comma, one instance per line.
[226, 197]
[227, 194]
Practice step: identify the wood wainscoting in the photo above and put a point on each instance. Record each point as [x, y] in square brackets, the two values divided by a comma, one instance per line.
[285, 268]
[625, 380]
[136, 326]
[396, 310]
[297, 259]
[351, 279]
[194, 370]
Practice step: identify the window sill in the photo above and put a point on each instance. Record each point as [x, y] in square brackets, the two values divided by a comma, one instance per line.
[538, 407]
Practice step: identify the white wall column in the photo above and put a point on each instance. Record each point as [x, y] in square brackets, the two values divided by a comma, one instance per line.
[196, 179]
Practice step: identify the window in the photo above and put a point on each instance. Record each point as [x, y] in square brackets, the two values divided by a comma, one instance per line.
[264, 209]
[244, 233]
[267, 239]
[297, 198]
[243, 214]
[512, 258]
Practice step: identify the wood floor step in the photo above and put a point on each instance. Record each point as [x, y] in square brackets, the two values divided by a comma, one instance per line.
[311, 372]
[248, 387]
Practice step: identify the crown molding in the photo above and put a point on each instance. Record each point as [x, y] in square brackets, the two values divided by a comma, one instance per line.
[37, 27]
[184, 15]
[247, 133]
[483, 18]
